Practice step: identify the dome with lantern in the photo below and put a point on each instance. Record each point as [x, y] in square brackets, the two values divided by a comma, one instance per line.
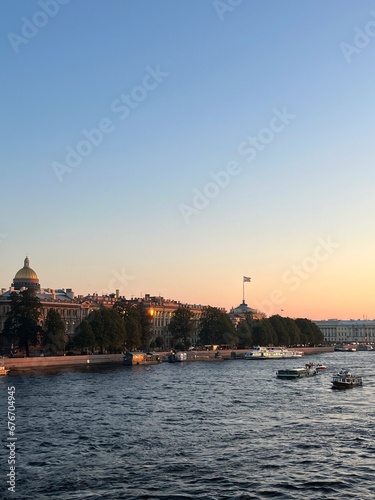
[26, 277]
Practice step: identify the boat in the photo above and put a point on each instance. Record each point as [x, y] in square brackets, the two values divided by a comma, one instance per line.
[293, 373]
[345, 380]
[3, 370]
[320, 367]
[177, 357]
[348, 348]
[259, 352]
[141, 358]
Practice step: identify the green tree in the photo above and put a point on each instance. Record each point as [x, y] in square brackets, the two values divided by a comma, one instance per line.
[22, 322]
[84, 337]
[294, 331]
[263, 333]
[53, 339]
[310, 332]
[216, 327]
[145, 323]
[280, 327]
[108, 328]
[181, 327]
[159, 342]
[130, 316]
[244, 332]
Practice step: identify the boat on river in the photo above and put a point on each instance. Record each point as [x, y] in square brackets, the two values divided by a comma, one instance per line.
[293, 373]
[259, 352]
[141, 358]
[346, 380]
[177, 357]
[320, 367]
[3, 370]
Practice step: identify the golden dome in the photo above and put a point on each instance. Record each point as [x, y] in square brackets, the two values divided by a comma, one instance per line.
[26, 273]
[26, 276]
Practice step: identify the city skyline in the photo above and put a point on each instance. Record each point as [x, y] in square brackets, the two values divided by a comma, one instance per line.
[172, 148]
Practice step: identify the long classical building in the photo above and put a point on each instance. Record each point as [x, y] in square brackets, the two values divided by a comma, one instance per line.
[72, 310]
[337, 331]
[161, 311]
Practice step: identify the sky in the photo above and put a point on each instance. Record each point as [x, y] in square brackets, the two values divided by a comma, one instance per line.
[172, 147]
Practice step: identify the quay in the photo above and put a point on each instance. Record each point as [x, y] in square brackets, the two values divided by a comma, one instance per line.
[37, 362]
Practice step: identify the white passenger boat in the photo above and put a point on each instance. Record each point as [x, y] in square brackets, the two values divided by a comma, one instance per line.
[272, 353]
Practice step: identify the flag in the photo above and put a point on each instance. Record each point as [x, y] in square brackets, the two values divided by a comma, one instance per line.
[246, 279]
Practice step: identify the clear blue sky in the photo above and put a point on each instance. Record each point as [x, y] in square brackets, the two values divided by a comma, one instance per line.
[180, 87]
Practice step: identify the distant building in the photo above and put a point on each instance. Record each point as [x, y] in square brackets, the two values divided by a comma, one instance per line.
[72, 312]
[239, 313]
[337, 331]
[161, 311]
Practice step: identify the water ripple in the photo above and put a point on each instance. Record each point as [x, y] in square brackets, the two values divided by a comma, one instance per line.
[209, 431]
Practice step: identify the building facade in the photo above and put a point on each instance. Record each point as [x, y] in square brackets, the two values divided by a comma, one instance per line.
[161, 311]
[238, 314]
[71, 309]
[337, 331]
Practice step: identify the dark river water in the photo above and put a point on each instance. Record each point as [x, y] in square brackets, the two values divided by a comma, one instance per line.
[219, 430]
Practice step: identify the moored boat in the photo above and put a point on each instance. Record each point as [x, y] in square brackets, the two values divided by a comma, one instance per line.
[346, 380]
[294, 373]
[177, 357]
[141, 358]
[259, 352]
[3, 370]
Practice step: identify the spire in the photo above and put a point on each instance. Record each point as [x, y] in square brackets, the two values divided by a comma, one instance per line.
[26, 262]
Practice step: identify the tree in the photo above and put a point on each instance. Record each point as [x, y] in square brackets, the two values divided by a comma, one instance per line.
[108, 328]
[310, 332]
[181, 327]
[216, 327]
[244, 333]
[22, 322]
[84, 337]
[263, 333]
[145, 323]
[159, 342]
[294, 331]
[53, 339]
[279, 325]
[130, 316]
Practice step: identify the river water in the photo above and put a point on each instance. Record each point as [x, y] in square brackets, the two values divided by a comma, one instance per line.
[203, 430]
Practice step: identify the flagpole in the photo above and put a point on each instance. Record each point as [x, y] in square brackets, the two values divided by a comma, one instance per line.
[245, 279]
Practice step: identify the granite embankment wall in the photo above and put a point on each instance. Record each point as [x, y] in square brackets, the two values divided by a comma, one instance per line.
[49, 361]
[110, 359]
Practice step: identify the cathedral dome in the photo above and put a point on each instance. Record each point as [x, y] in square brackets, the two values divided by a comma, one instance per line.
[26, 277]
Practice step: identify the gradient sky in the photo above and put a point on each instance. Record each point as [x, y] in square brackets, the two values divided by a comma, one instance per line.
[296, 211]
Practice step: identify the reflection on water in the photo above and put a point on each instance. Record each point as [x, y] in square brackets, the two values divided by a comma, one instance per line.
[199, 430]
